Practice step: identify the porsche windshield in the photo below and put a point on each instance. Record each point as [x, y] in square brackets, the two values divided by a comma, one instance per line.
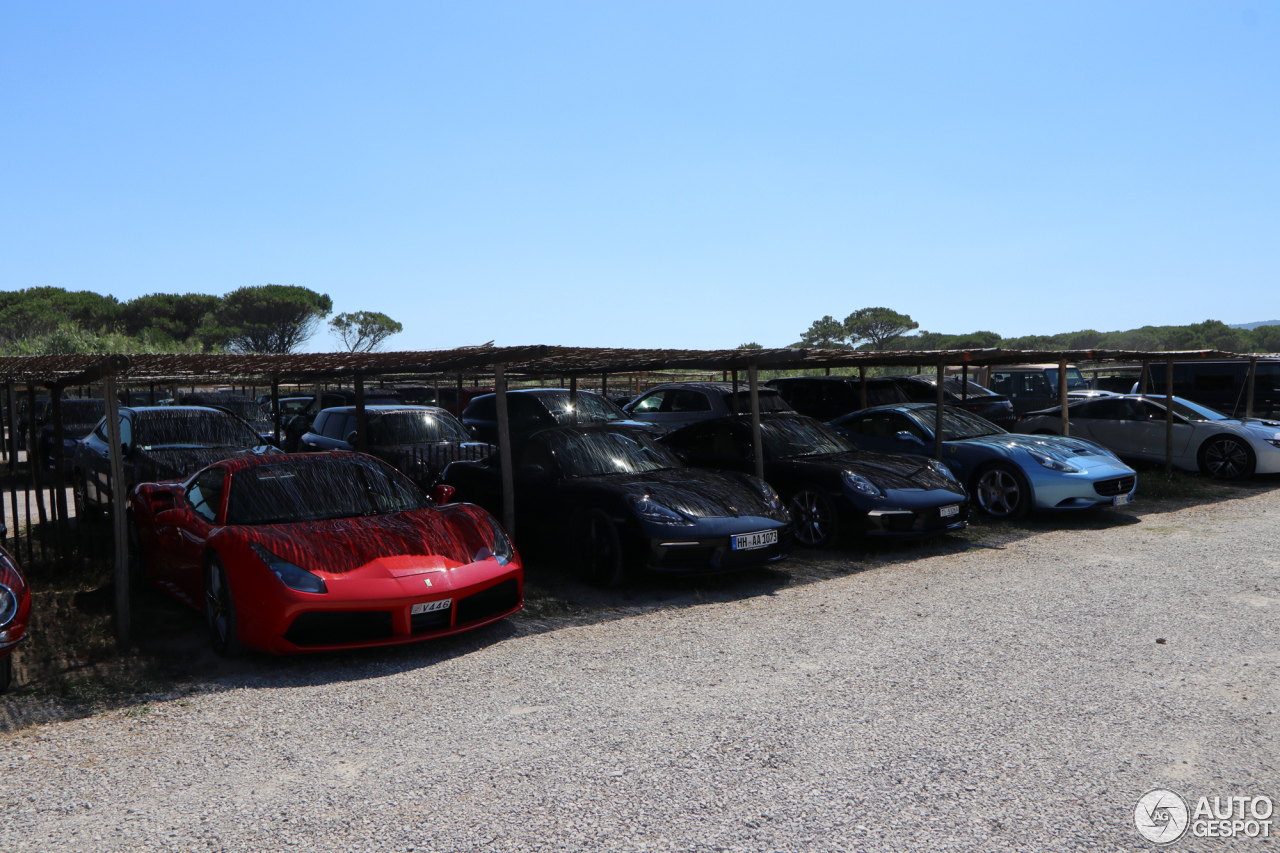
[790, 437]
[591, 408]
[591, 454]
[191, 428]
[957, 424]
[315, 488]
[415, 427]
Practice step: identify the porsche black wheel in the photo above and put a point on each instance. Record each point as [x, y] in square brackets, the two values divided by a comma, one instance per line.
[598, 549]
[220, 609]
[1226, 457]
[817, 524]
[1002, 491]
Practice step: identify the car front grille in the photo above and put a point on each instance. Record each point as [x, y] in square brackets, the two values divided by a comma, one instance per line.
[335, 627]
[498, 598]
[687, 557]
[1116, 486]
[437, 621]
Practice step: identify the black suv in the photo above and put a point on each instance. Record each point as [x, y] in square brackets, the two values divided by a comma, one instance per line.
[829, 397]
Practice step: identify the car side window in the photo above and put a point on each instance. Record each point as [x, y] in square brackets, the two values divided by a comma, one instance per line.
[205, 494]
[685, 400]
[1033, 383]
[1104, 410]
[649, 402]
[336, 426]
[126, 431]
[879, 425]
[318, 425]
[902, 423]
[1001, 383]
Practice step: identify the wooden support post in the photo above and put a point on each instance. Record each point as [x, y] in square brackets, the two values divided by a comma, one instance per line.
[13, 458]
[862, 383]
[275, 407]
[362, 417]
[119, 523]
[504, 450]
[33, 455]
[1144, 377]
[573, 399]
[319, 395]
[828, 373]
[458, 402]
[939, 408]
[1062, 396]
[604, 385]
[1248, 398]
[757, 446]
[734, 398]
[964, 383]
[59, 455]
[1168, 418]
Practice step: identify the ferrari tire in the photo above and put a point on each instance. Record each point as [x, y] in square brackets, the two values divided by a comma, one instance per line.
[220, 608]
[1225, 457]
[817, 522]
[598, 557]
[1002, 491]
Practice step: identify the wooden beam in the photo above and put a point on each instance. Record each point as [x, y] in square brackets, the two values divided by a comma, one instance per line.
[1062, 396]
[119, 523]
[757, 446]
[504, 450]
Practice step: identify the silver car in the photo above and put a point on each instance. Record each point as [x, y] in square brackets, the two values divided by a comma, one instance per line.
[1133, 426]
[677, 404]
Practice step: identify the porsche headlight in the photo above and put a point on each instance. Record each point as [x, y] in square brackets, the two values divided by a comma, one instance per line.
[653, 511]
[294, 577]
[942, 469]
[859, 483]
[771, 497]
[1053, 464]
[500, 549]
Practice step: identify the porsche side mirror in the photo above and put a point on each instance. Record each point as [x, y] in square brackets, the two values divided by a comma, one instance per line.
[442, 494]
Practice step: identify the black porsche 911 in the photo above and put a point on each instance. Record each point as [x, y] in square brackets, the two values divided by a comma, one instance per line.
[613, 499]
[830, 486]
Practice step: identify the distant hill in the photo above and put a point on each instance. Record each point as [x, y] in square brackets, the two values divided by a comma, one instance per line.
[1257, 324]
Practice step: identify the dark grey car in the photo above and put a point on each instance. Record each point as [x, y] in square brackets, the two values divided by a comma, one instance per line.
[677, 404]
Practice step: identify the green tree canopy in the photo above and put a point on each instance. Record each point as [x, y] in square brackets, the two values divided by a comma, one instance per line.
[168, 316]
[827, 333]
[364, 331]
[272, 318]
[877, 326]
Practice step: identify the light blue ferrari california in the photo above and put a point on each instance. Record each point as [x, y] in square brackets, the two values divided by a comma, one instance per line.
[1008, 475]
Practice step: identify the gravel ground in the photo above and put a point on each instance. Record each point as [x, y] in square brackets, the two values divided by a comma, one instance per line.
[1008, 693]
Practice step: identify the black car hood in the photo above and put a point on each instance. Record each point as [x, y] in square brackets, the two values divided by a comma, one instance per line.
[887, 470]
[176, 463]
[692, 492]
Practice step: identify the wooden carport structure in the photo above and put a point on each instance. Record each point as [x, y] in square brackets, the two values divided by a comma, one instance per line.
[59, 372]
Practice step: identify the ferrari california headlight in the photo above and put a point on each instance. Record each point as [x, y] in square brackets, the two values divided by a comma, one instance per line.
[294, 577]
[653, 511]
[859, 483]
[501, 549]
[1053, 464]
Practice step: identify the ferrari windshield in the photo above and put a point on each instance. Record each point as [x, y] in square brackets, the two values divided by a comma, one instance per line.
[957, 424]
[314, 488]
[415, 427]
[591, 454]
[191, 428]
[791, 437]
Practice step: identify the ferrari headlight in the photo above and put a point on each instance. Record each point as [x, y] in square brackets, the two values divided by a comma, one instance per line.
[859, 483]
[1053, 464]
[8, 605]
[501, 549]
[294, 577]
[653, 511]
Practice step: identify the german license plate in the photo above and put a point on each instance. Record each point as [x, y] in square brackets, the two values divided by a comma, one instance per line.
[1121, 500]
[430, 606]
[948, 511]
[749, 541]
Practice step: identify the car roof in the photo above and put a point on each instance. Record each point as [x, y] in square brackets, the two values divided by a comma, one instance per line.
[147, 409]
[725, 388]
[386, 407]
[996, 368]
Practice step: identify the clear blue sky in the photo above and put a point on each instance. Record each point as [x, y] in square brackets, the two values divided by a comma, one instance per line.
[684, 174]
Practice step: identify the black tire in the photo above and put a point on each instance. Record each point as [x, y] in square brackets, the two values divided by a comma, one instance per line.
[6, 673]
[1001, 491]
[1225, 457]
[597, 548]
[220, 609]
[80, 496]
[817, 521]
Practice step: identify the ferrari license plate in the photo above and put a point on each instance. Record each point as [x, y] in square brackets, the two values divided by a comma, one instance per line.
[1121, 500]
[948, 511]
[430, 606]
[749, 541]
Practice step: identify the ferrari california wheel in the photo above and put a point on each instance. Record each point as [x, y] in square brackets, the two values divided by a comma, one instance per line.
[1226, 458]
[817, 524]
[598, 549]
[1002, 491]
[220, 609]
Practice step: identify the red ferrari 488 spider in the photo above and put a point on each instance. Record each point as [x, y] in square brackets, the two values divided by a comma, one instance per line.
[313, 552]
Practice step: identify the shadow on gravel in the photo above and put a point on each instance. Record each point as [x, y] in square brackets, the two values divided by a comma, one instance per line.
[171, 657]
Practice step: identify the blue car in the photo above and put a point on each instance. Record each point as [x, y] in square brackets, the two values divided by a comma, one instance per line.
[1008, 475]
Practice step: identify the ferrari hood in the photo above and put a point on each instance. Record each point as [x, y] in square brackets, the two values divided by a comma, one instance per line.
[1057, 446]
